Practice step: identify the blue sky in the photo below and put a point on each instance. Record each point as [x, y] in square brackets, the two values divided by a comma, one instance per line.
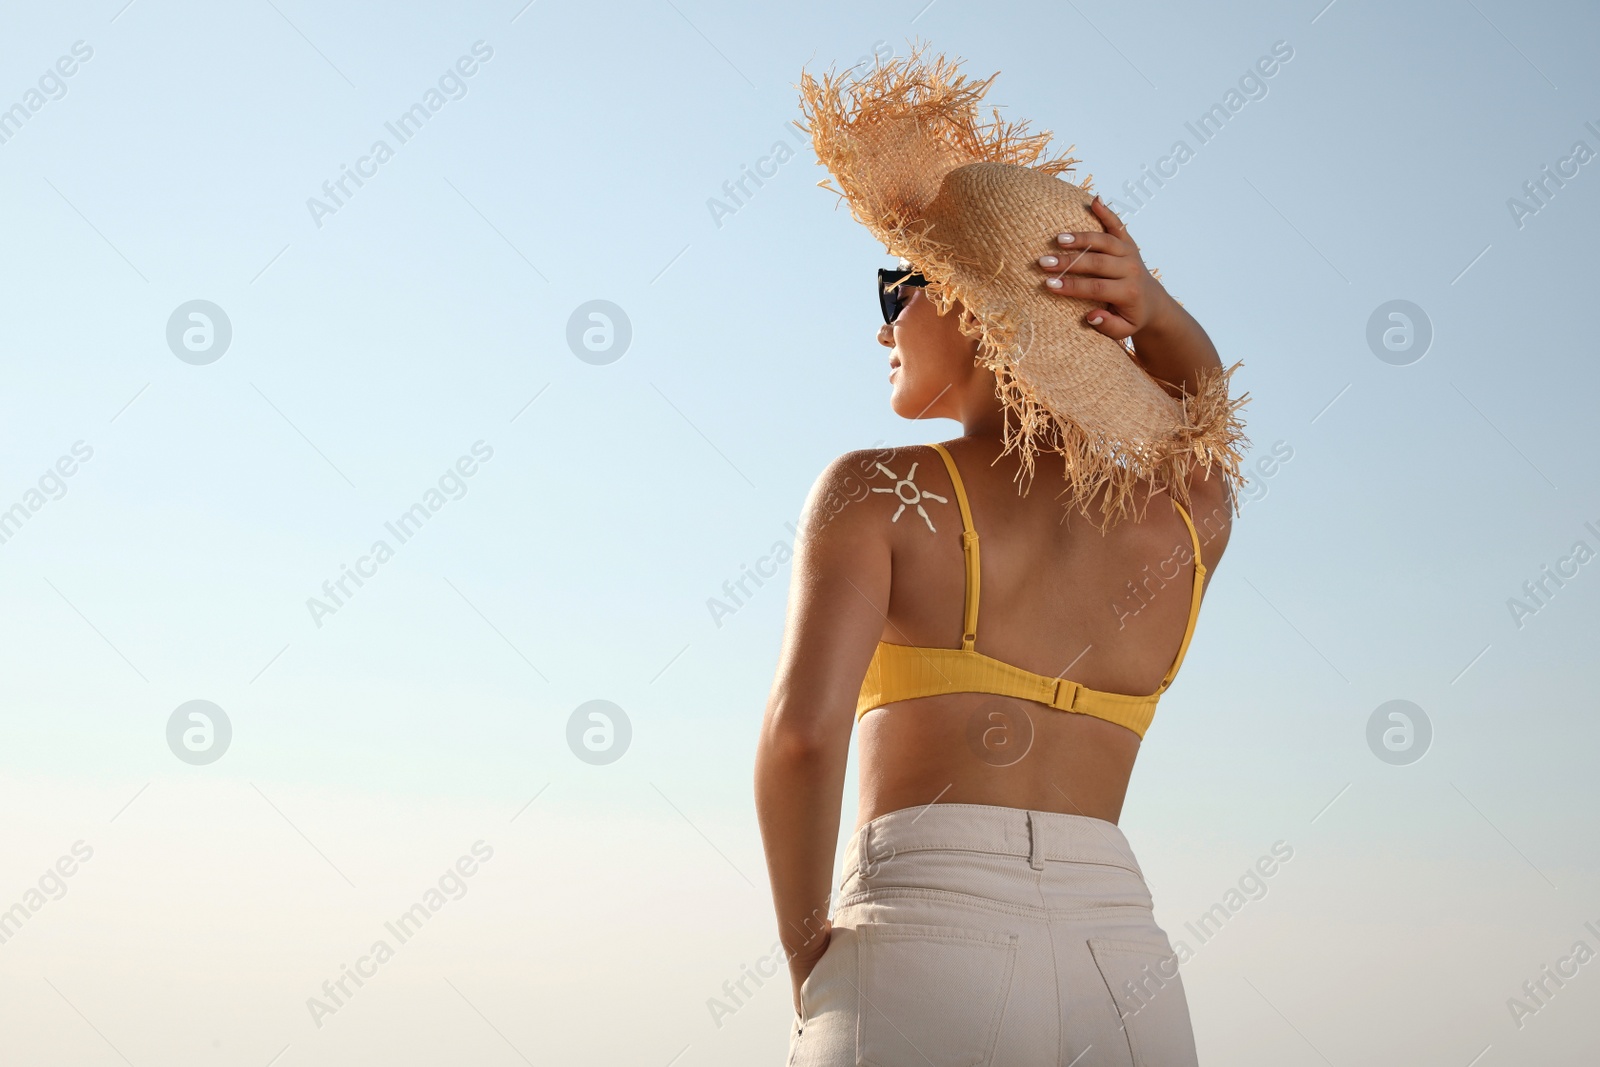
[583, 158]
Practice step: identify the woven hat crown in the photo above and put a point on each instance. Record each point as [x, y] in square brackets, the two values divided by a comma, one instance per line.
[997, 219]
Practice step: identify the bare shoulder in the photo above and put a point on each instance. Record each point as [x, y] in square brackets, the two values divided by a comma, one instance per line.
[858, 491]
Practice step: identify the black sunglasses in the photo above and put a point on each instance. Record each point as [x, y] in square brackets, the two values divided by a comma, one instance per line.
[890, 283]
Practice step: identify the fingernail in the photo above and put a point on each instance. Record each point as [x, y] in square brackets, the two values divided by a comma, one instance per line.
[1048, 261]
[1054, 283]
[1094, 320]
[1065, 238]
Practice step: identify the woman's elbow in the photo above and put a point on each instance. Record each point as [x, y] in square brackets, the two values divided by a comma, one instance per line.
[799, 740]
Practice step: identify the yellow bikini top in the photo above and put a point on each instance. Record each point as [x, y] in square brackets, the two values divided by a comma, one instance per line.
[903, 672]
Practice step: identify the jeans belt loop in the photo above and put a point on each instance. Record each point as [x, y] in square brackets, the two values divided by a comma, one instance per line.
[1035, 845]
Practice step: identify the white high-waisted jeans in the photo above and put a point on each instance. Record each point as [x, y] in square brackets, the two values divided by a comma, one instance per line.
[970, 934]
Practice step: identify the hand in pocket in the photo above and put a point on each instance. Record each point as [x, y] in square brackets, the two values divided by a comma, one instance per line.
[803, 962]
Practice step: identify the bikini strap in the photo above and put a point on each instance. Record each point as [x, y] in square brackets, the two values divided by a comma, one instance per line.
[969, 549]
[1194, 600]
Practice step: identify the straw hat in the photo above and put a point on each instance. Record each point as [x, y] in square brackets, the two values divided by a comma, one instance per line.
[972, 206]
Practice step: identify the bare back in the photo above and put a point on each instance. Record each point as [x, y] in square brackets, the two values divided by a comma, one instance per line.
[1058, 598]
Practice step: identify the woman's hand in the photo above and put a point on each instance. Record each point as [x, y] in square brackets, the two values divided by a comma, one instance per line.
[803, 962]
[1106, 268]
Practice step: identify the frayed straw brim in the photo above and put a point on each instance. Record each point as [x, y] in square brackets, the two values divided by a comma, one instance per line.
[972, 205]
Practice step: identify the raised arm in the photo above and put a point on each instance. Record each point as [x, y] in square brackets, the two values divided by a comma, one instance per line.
[837, 599]
[1107, 267]
[1168, 342]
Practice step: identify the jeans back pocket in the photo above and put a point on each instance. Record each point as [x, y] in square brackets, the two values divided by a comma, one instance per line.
[1142, 978]
[932, 996]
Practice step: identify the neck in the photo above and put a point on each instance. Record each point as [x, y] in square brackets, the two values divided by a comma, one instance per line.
[981, 413]
[987, 424]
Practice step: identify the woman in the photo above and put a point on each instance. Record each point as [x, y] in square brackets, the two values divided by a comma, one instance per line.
[990, 909]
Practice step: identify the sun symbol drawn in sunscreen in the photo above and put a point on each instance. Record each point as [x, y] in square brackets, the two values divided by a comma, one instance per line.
[909, 494]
